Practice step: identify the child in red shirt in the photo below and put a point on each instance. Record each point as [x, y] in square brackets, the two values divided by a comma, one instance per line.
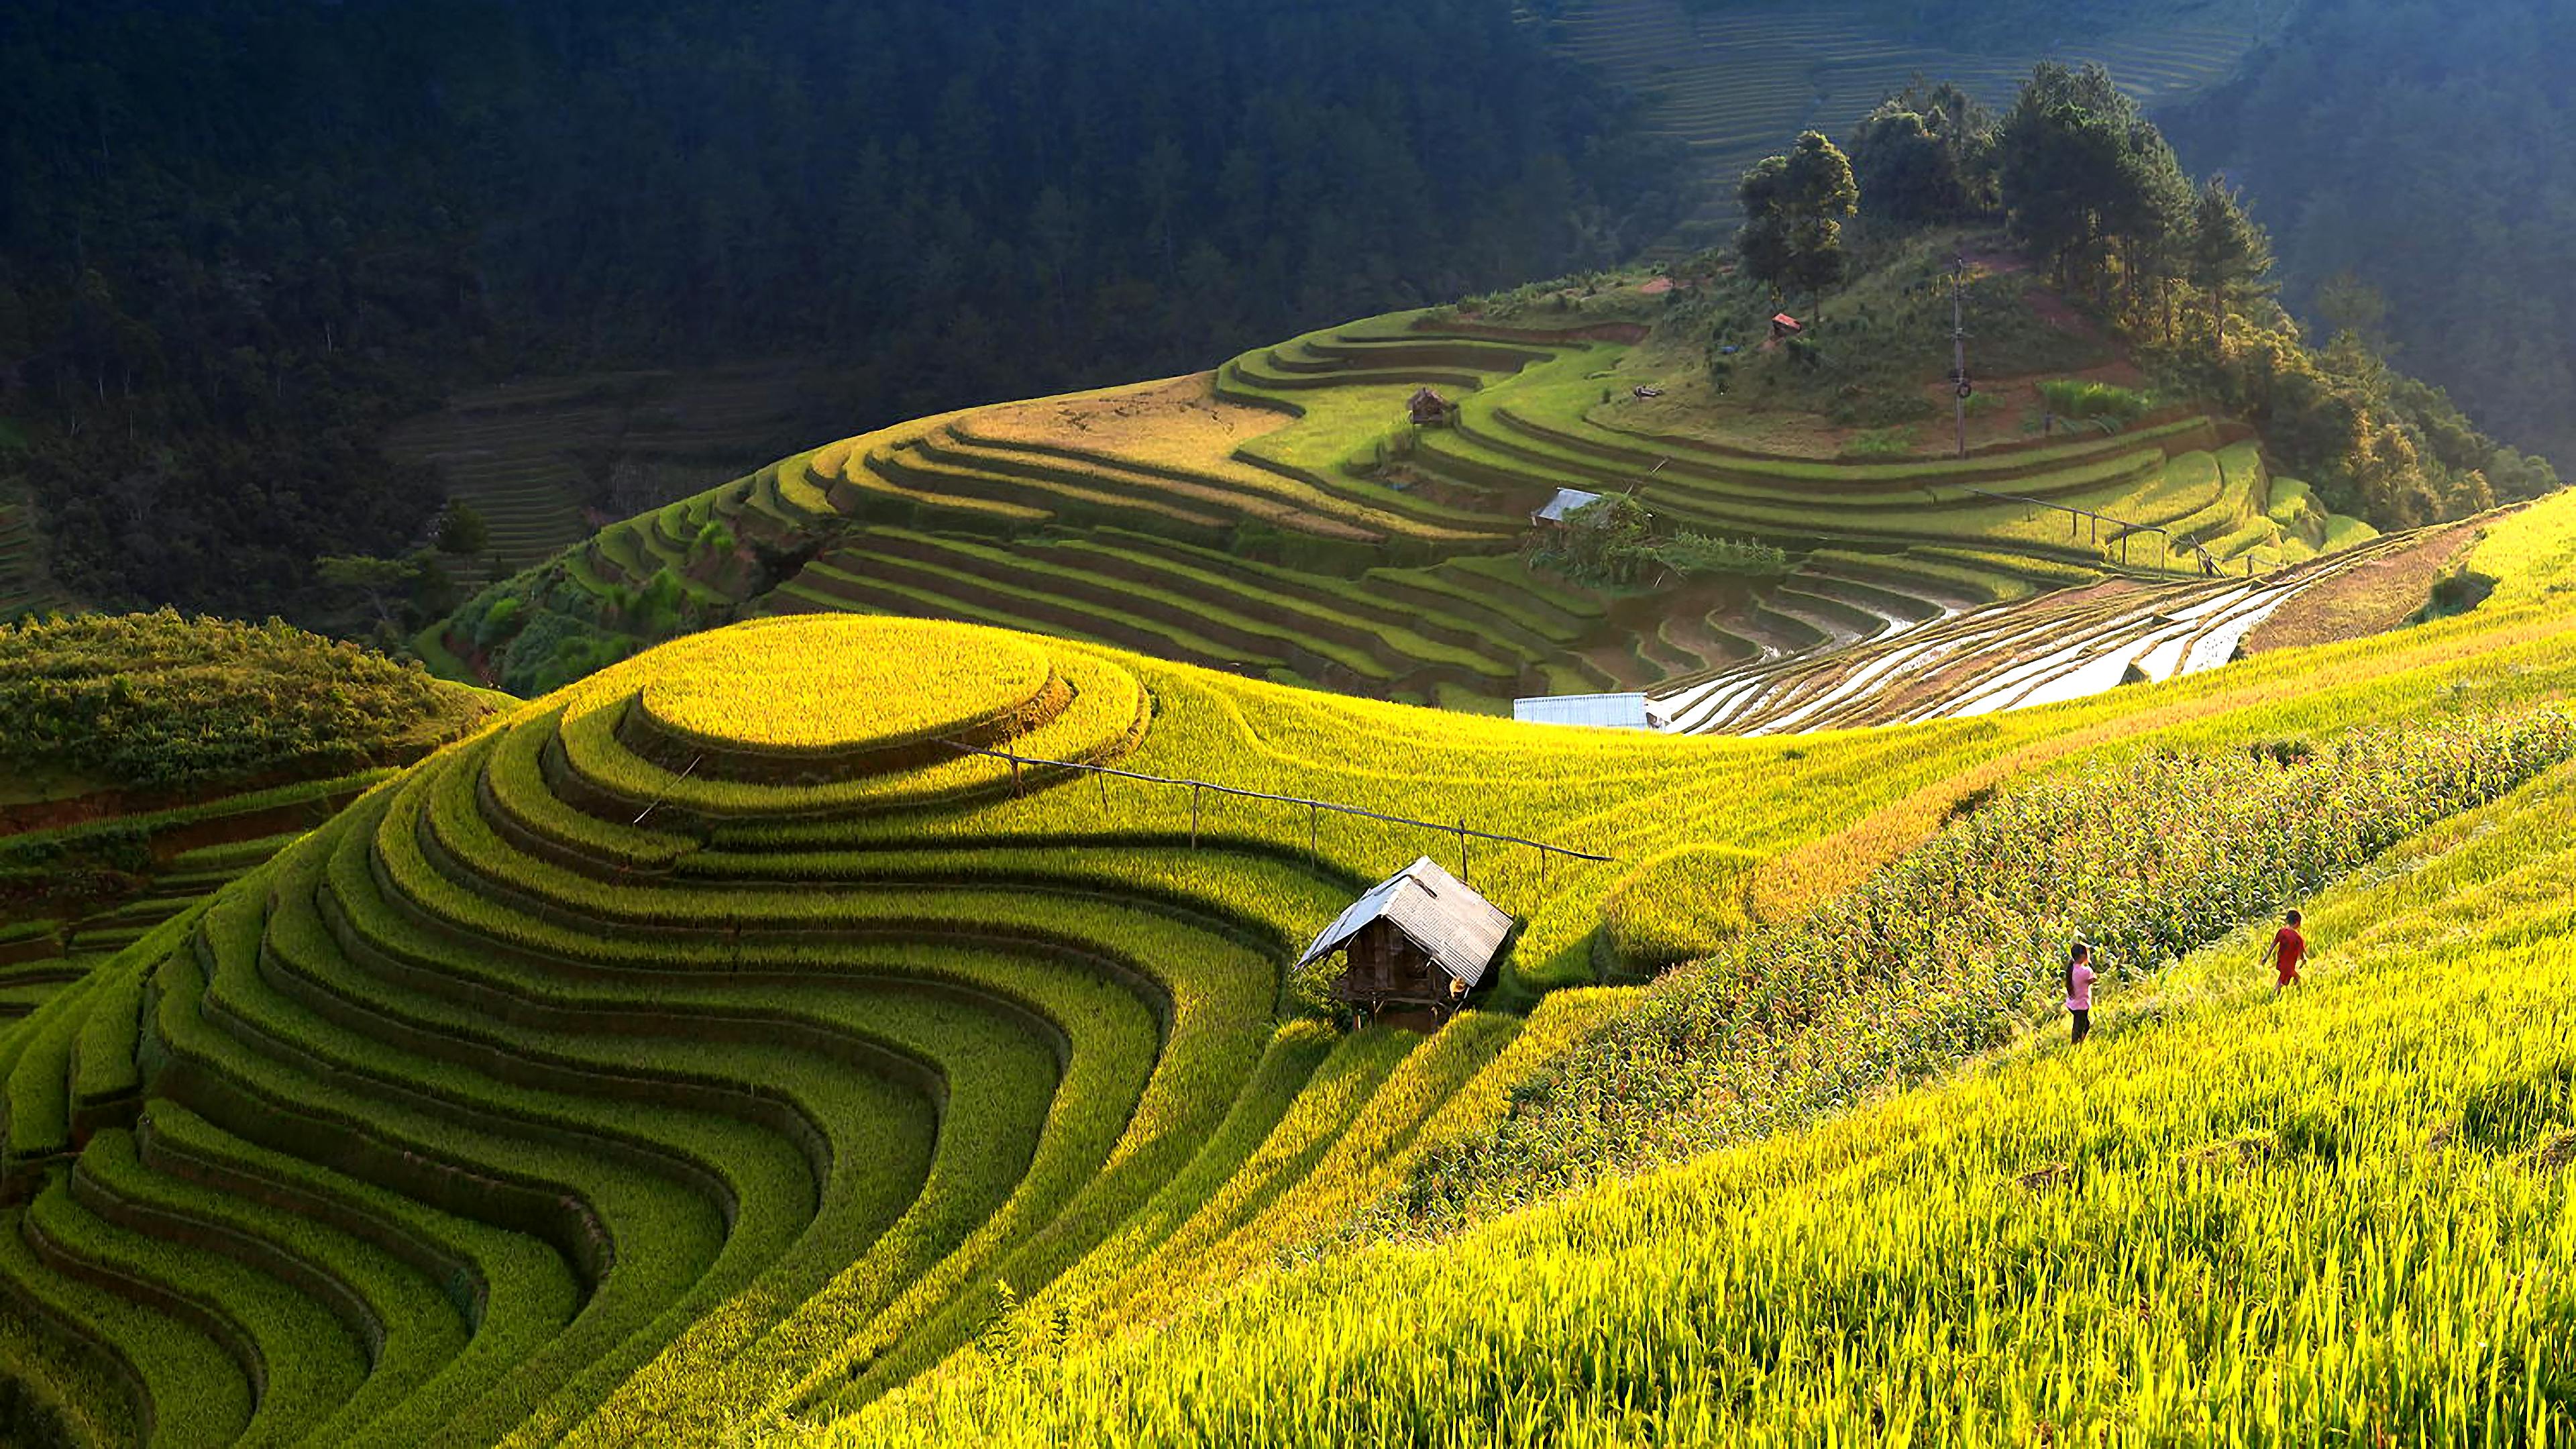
[2287, 950]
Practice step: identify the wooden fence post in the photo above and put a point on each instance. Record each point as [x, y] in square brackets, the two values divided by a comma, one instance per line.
[1314, 813]
[1462, 850]
[1194, 816]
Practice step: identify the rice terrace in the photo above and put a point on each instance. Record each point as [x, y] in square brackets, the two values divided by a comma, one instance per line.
[1924, 799]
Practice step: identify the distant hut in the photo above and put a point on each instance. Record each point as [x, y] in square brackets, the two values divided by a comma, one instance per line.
[1420, 939]
[1784, 326]
[1567, 500]
[1429, 409]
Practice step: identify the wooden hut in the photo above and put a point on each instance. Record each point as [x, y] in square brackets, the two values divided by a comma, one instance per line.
[1421, 938]
[1429, 409]
[1784, 326]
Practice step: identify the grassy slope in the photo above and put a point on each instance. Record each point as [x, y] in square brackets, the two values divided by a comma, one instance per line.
[2227, 1219]
[504, 872]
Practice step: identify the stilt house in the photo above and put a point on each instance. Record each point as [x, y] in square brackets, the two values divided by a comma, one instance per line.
[1420, 938]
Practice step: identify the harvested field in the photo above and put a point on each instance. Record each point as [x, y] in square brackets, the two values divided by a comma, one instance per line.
[1180, 422]
[2370, 598]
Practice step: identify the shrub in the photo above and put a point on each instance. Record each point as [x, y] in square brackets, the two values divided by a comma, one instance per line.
[2096, 402]
[2457, 591]
[500, 622]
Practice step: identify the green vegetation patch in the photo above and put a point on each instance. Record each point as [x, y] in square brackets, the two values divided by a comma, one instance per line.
[156, 701]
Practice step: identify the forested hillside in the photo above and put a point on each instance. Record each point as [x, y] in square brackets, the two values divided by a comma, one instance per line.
[2420, 150]
[238, 238]
[2015, 24]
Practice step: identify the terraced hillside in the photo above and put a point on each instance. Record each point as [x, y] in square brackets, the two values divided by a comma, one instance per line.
[147, 761]
[25, 587]
[1970, 659]
[1281, 519]
[725, 1035]
[1735, 83]
[525, 456]
[718, 1005]
[2263, 1165]
[110, 879]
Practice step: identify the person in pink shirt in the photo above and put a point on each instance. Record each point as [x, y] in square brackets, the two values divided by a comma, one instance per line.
[2079, 989]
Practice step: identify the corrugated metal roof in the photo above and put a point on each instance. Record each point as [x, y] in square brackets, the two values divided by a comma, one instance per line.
[1566, 501]
[1599, 711]
[1436, 911]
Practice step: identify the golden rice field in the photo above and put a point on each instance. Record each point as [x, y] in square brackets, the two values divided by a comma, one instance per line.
[843, 685]
[2339, 1216]
[1179, 423]
[723, 1046]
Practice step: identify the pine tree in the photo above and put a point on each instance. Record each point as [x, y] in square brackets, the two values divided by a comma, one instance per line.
[2229, 255]
[2086, 177]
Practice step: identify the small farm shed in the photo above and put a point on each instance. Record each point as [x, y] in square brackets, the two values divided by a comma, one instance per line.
[1567, 500]
[1784, 325]
[1595, 711]
[1420, 938]
[1428, 409]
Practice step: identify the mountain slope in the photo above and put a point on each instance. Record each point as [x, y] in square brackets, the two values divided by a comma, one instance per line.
[1731, 81]
[741, 1044]
[1281, 518]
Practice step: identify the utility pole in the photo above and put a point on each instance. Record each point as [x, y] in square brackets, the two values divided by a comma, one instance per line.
[1959, 344]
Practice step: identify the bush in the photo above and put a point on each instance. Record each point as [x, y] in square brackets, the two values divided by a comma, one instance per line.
[500, 622]
[2095, 402]
[2457, 592]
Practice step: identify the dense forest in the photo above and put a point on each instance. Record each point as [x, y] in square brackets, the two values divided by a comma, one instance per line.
[239, 237]
[2011, 24]
[2421, 150]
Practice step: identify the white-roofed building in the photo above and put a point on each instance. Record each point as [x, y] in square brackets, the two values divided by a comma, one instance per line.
[1418, 938]
[1596, 711]
[1566, 501]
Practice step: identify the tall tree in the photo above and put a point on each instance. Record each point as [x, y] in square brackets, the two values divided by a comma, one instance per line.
[1795, 206]
[1926, 156]
[2087, 180]
[2229, 255]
